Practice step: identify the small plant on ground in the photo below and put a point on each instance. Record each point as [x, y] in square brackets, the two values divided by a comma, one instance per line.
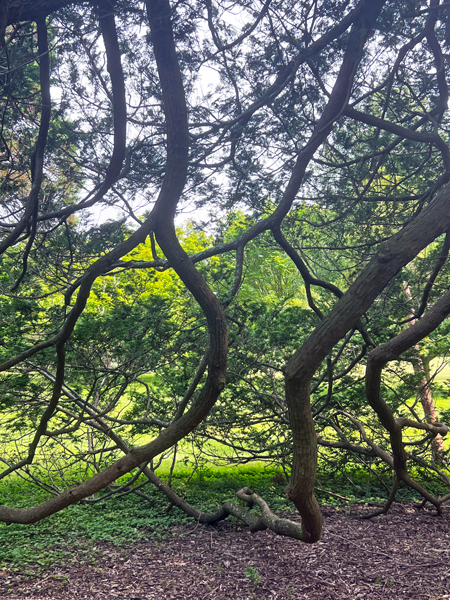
[252, 574]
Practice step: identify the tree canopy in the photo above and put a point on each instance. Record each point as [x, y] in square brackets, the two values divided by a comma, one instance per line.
[199, 188]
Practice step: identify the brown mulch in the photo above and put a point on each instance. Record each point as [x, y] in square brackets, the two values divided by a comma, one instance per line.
[404, 555]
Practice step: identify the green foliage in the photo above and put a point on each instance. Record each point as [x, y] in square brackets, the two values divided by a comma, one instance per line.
[252, 574]
[73, 533]
[141, 336]
[121, 520]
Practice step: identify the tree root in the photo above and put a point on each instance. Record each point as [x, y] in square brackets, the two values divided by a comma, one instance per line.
[267, 519]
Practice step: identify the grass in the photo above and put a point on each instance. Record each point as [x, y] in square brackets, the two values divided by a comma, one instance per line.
[73, 533]
[129, 519]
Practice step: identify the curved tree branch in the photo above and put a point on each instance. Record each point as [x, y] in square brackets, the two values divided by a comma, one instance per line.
[378, 358]
[29, 218]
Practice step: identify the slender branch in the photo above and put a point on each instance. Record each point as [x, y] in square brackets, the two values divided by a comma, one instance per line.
[248, 30]
[29, 217]
[114, 66]
[437, 268]
[48, 413]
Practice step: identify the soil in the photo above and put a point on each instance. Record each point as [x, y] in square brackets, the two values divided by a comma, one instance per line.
[403, 555]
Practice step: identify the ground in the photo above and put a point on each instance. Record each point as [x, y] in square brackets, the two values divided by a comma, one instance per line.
[404, 555]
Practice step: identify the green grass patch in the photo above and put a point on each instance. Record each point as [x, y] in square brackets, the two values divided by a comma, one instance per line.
[128, 519]
[72, 533]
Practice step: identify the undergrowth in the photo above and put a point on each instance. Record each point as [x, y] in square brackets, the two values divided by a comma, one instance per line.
[73, 533]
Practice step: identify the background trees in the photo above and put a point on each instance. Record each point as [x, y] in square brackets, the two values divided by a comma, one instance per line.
[313, 137]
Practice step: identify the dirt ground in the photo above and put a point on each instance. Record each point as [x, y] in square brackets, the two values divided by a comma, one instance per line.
[402, 555]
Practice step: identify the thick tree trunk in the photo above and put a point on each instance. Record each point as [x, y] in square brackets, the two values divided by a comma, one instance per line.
[304, 466]
[390, 258]
[299, 373]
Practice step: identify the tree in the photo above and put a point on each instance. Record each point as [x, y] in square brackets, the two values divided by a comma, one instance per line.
[325, 124]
